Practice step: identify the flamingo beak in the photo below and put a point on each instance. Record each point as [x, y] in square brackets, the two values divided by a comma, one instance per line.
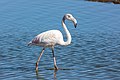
[75, 25]
[75, 22]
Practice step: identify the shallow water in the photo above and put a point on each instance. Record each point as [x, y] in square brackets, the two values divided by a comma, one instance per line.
[93, 55]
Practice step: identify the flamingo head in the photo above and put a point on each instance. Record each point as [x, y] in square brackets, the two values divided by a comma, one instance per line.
[70, 18]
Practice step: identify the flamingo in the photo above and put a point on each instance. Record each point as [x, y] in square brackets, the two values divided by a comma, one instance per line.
[52, 38]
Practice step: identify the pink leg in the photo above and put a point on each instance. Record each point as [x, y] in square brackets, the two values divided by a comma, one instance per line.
[39, 59]
[55, 66]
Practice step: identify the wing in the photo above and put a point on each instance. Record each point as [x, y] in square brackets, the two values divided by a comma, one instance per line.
[48, 38]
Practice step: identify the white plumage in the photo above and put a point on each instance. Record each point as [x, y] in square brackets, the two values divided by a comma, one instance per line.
[48, 39]
[53, 37]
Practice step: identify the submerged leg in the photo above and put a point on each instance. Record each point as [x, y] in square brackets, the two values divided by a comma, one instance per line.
[55, 66]
[39, 59]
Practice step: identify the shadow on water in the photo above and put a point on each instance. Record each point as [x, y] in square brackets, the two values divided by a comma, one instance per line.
[40, 77]
[61, 69]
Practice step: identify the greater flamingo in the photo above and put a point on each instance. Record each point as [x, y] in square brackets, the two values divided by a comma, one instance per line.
[53, 37]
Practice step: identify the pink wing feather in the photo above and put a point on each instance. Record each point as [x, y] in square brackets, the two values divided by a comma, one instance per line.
[47, 38]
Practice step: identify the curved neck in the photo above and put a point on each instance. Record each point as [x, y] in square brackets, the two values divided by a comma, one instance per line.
[67, 33]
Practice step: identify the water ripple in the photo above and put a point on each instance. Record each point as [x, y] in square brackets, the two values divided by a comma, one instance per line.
[94, 51]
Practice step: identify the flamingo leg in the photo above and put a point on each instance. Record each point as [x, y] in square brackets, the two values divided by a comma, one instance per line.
[39, 59]
[55, 66]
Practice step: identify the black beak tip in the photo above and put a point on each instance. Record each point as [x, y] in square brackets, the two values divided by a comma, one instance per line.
[75, 25]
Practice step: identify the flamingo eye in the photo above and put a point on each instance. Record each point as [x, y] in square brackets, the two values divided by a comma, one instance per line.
[68, 16]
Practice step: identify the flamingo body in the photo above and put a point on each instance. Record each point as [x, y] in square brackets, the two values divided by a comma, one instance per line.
[48, 39]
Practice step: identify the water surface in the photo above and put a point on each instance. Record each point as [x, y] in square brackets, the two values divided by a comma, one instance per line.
[93, 55]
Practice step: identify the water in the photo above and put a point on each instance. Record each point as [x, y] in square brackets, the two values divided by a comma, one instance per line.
[93, 55]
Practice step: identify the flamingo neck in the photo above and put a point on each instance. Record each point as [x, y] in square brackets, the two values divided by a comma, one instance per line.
[67, 33]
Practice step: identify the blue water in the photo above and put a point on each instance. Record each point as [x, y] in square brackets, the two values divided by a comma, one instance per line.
[94, 53]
